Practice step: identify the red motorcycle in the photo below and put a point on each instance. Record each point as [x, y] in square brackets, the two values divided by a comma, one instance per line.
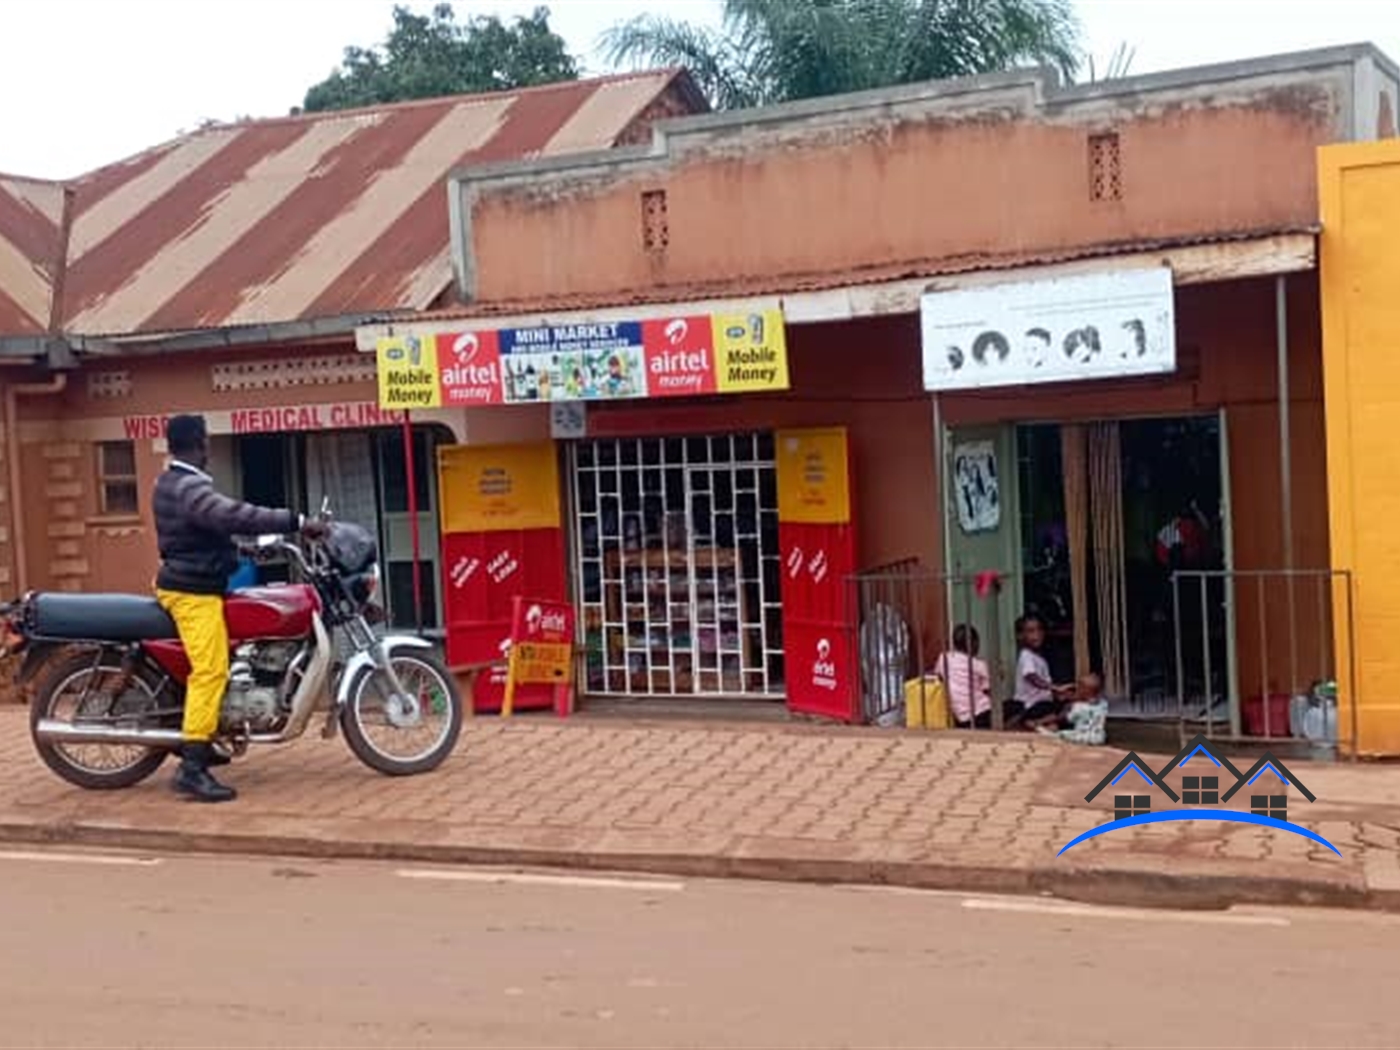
[109, 709]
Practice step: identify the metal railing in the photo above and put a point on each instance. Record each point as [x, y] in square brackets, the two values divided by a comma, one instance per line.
[905, 616]
[1256, 656]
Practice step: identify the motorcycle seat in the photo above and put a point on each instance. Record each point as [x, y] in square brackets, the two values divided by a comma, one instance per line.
[101, 617]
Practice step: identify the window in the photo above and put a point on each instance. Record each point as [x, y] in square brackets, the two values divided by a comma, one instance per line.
[117, 489]
[1275, 806]
[1200, 791]
[1125, 806]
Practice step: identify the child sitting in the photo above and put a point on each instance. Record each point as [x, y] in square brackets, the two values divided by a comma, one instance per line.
[1086, 720]
[967, 680]
[1037, 697]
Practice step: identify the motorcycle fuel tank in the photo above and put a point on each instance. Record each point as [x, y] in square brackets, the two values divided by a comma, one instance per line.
[258, 613]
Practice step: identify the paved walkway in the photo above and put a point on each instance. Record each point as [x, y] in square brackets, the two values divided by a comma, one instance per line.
[953, 810]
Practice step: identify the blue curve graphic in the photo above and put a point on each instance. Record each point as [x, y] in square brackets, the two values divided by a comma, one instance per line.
[1230, 815]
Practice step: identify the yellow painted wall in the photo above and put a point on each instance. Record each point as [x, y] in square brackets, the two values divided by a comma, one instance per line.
[1359, 186]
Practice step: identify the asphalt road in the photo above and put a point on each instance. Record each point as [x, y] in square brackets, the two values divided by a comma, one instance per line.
[103, 950]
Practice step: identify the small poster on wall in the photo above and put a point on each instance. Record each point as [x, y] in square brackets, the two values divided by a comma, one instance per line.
[1089, 326]
[976, 488]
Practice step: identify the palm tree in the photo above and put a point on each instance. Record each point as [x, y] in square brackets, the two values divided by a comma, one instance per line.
[780, 50]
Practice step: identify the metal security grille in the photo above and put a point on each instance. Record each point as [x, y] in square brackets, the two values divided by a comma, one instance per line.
[676, 566]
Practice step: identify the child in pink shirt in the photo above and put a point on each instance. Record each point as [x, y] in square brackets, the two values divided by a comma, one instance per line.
[967, 681]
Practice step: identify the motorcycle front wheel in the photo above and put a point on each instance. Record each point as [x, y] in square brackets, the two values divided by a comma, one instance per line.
[385, 741]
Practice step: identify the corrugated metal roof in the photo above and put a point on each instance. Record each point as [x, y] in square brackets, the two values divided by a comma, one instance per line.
[31, 247]
[749, 286]
[272, 221]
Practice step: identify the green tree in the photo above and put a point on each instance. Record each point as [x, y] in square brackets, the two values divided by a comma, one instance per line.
[780, 50]
[427, 56]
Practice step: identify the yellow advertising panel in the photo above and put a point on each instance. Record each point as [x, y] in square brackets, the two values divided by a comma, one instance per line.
[813, 477]
[750, 352]
[495, 488]
[408, 372]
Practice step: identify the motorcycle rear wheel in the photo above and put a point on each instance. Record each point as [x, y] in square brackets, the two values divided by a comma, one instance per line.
[132, 763]
[439, 697]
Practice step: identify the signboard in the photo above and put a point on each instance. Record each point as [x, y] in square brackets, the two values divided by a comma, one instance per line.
[495, 488]
[541, 647]
[813, 476]
[337, 415]
[817, 548]
[1093, 326]
[408, 373]
[600, 361]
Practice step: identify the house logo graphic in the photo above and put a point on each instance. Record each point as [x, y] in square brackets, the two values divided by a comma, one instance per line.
[1202, 797]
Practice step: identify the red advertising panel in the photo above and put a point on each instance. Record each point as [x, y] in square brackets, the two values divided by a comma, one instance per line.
[818, 546]
[470, 366]
[484, 573]
[502, 538]
[818, 644]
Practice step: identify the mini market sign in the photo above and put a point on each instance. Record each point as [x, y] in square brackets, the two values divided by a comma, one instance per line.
[599, 361]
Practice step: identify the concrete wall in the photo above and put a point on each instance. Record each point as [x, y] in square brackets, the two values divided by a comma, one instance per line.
[1360, 194]
[984, 172]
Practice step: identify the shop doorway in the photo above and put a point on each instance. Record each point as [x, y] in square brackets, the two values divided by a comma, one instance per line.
[1151, 496]
[1093, 520]
[363, 475]
[677, 566]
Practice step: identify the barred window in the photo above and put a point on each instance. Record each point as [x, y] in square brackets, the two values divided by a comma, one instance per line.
[117, 489]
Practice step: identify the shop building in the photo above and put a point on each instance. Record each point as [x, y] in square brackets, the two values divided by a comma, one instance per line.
[224, 273]
[840, 222]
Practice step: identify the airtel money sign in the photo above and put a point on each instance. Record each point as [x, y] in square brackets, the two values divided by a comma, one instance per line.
[469, 364]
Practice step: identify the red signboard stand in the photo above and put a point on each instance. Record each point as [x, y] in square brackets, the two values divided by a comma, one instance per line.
[502, 538]
[818, 546]
[541, 652]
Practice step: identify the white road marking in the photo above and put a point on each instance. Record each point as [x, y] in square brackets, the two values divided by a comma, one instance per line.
[527, 879]
[82, 858]
[1069, 909]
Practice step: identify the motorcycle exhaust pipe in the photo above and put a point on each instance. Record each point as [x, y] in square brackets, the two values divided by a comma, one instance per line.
[52, 731]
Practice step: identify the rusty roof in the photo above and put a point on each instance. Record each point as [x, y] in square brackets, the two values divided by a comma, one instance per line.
[288, 219]
[752, 287]
[31, 253]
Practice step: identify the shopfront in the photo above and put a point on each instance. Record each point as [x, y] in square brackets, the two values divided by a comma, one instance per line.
[1137, 458]
[294, 430]
[704, 541]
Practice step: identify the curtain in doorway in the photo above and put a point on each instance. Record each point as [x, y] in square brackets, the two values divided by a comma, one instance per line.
[339, 467]
[1073, 457]
[1110, 577]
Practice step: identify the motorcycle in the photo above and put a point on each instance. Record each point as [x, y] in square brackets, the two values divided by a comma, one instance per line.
[108, 711]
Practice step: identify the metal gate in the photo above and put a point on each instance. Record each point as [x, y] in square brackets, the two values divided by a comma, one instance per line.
[676, 566]
[1273, 677]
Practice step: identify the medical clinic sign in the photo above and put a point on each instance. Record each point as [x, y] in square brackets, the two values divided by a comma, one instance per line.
[599, 361]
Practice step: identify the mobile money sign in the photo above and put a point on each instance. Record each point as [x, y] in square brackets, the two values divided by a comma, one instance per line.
[685, 356]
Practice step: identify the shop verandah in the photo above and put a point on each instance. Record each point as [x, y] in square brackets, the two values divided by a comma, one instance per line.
[1169, 529]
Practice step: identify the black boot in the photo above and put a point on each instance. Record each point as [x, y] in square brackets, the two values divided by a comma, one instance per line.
[193, 779]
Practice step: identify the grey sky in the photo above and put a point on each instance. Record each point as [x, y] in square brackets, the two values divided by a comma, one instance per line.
[87, 82]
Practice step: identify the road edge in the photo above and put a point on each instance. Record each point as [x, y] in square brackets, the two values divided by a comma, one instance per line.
[1101, 886]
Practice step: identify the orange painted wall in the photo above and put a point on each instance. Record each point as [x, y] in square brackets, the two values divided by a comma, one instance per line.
[746, 209]
[1360, 193]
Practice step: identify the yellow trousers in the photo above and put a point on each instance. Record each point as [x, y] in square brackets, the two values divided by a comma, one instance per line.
[200, 620]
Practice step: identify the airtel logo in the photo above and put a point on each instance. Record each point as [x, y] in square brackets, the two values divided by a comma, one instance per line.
[676, 331]
[465, 346]
[537, 620]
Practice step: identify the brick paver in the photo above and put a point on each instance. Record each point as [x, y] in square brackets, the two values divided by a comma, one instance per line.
[719, 797]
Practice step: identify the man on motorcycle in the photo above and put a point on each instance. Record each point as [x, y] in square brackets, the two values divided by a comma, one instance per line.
[195, 526]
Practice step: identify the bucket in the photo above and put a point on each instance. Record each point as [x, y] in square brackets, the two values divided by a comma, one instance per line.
[1252, 713]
